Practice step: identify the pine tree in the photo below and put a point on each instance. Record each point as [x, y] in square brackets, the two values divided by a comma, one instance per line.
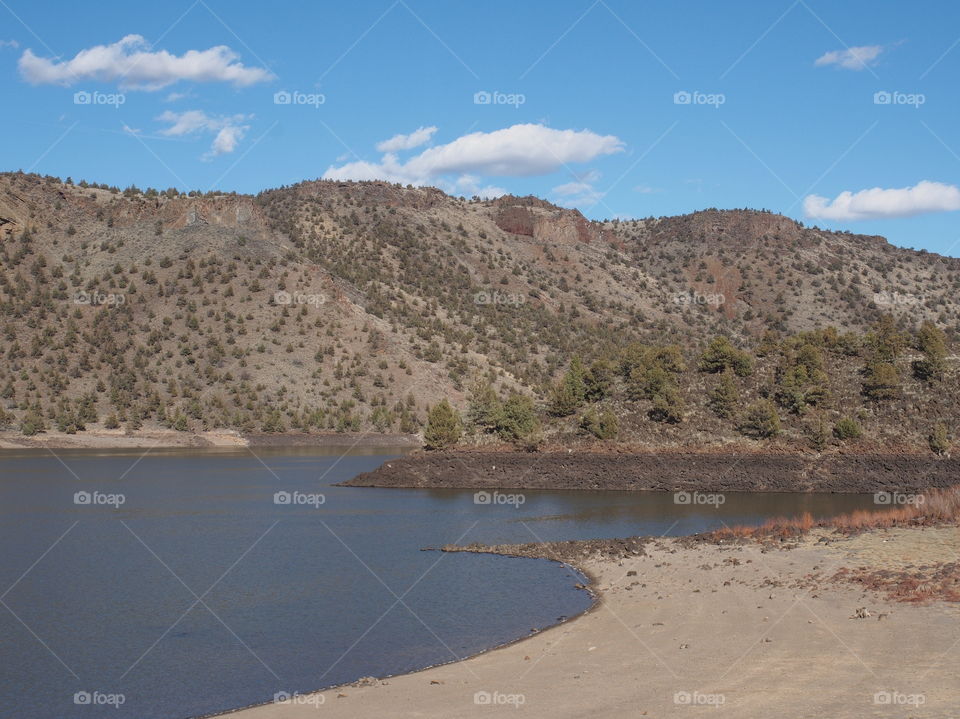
[761, 420]
[444, 427]
[571, 391]
[939, 441]
[724, 397]
[931, 341]
[518, 418]
[720, 355]
[485, 406]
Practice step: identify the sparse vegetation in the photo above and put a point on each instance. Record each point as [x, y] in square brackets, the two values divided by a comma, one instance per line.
[370, 314]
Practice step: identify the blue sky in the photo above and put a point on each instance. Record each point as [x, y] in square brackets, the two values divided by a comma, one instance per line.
[618, 108]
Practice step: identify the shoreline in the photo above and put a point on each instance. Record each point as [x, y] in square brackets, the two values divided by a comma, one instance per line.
[667, 470]
[591, 666]
[384, 680]
[170, 439]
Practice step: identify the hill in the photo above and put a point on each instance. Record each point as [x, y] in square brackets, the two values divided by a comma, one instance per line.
[353, 306]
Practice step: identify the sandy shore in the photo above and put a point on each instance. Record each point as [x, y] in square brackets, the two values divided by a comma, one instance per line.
[694, 629]
[118, 439]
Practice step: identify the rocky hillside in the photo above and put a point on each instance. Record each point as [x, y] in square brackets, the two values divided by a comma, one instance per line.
[353, 306]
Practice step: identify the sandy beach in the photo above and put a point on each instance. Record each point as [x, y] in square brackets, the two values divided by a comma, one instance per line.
[684, 628]
[166, 438]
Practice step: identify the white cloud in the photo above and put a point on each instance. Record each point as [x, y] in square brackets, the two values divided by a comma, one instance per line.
[878, 203]
[9, 43]
[646, 189]
[471, 185]
[517, 151]
[580, 192]
[416, 138]
[229, 130]
[853, 58]
[132, 64]
[226, 140]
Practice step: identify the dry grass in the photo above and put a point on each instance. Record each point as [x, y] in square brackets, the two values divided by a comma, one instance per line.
[939, 506]
[924, 584]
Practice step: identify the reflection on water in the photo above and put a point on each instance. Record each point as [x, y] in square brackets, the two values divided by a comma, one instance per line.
[199, 592]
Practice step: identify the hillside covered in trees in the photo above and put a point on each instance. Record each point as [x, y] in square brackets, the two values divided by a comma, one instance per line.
[343, 307]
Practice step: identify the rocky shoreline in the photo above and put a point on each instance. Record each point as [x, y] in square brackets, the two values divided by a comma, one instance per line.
[667, 470]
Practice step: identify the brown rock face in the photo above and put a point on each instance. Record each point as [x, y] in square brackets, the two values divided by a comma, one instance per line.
[531, 217]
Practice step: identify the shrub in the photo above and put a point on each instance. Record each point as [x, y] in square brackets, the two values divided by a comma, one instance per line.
[648, 382]
[939, 442]
[760, 420]
[32, 424]
[444, 427]
[724, 397]
[801, 380]
[882, 381]
[847, 428]
[720, 355]
[517, 418]
[667, 407]
[485, 406]
[602, 425]
[599, 380]
[885, 341]
[817, 434]
[932, 343]
[570, 392]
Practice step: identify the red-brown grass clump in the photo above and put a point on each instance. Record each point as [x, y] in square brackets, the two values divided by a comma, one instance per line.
[938, 582]
[936, 506]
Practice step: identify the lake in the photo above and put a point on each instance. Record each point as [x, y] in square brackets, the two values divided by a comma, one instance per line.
[187, 582]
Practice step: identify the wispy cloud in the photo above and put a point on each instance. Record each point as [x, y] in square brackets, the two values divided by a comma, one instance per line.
[852, 58]
[418, 137]
[228, 131]
[580, 192]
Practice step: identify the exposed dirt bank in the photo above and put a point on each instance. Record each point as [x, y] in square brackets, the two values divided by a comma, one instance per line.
[669, 470]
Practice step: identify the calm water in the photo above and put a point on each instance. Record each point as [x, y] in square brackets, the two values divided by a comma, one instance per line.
[199, 593]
